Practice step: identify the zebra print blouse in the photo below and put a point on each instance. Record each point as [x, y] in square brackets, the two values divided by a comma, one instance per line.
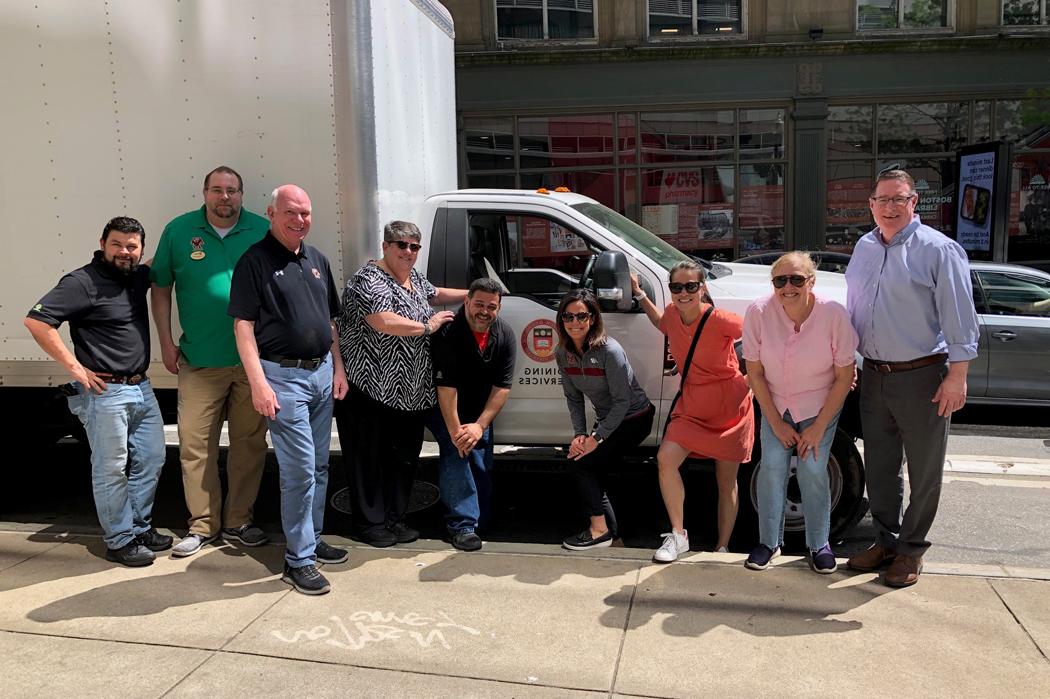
[395, 371]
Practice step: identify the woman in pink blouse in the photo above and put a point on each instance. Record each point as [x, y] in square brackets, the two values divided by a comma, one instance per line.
[800, 351]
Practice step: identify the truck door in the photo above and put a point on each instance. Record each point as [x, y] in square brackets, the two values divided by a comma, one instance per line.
[538, 257]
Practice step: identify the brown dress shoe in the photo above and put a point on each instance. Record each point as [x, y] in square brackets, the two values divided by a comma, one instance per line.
[904, 571]
[876, 556]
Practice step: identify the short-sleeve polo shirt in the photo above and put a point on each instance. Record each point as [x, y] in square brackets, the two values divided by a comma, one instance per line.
[291, 298]
[199, 262]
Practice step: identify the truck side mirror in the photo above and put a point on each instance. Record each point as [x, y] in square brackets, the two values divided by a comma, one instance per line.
[612, 281]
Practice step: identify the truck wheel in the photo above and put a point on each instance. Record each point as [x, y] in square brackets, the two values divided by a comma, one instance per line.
[846, 481]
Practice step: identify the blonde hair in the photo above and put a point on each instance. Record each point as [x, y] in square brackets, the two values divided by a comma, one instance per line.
[799, 257]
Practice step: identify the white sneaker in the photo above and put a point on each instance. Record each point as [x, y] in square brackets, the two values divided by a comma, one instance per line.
[721, 549]
[191, 544]
[674, 545]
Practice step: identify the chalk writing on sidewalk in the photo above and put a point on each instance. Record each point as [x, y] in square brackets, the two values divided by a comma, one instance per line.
[364, 627]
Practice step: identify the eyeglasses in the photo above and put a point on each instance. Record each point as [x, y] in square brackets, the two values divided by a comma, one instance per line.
[578, 317]
[405, 245]
[219, 191]
[688, 287]
[797, 280]
[896, 201]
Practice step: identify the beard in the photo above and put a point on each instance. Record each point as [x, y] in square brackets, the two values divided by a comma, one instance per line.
[125, 267]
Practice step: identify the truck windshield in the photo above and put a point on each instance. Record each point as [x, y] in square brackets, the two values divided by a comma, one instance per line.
[637, 237]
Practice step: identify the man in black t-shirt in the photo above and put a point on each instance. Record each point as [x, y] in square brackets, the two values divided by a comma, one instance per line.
[283, 300]
[105, 304]
[473, 370]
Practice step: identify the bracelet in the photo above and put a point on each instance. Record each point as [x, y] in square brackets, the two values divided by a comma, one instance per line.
[426, 329]
[641, 297]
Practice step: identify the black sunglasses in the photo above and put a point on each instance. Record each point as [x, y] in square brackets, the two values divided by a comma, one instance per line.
[797, 280]
[580, 317]
[405, 245]
[678, 287]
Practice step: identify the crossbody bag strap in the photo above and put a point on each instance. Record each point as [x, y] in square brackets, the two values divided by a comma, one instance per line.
[688, 363]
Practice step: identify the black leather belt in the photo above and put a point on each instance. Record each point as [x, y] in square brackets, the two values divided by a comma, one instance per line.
[291, 363]
[893, 367]
[129, 379]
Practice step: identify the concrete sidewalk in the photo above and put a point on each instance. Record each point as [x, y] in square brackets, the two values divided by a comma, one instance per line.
[510, 621]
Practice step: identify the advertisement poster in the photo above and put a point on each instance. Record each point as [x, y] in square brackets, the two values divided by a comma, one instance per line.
[976, 182]
[661, 220]
[541, 238]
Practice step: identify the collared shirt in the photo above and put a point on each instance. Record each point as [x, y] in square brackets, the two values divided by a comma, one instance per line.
[460, 363]
[799, 367]
[290, 296]
[603, 375]
[912, 297]
[107, 314]
[199, 262]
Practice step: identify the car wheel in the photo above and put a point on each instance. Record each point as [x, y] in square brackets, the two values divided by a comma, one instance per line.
[845, 480]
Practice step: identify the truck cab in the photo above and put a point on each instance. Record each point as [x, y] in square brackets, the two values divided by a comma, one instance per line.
[540, 245]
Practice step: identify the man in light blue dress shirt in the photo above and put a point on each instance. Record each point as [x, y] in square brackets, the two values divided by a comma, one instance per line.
[911, 302]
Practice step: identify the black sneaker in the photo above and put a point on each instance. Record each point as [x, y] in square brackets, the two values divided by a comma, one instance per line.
[465, 540]
[306, 580]
[823, 560]
[378, 536]
[247, 534]
[326, 553]
[584, 541]
[404, 533]
[760, 557]
[154, 540]
[132, 554]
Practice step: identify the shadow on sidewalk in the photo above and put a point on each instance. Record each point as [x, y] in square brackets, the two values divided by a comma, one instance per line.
[690, 600]
[524, 569]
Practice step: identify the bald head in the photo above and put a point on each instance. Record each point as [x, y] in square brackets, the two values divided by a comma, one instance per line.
[289, 213]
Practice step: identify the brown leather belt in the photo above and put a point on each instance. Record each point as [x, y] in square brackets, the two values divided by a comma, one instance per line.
[894, 367]
[129, 379]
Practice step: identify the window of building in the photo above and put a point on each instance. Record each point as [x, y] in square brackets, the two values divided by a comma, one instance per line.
[875, 15]
[670, 18]
[545, 19]
[1024, 12]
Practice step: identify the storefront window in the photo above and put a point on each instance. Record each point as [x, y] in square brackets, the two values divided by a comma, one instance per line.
[491, 182]
[627, 138]
[691, 208]
[873, 15]
[934, 127]
[545, 19]
[668, 18]
[565, 141]
[1024, 12]
[687, 136]
[849, 131]
[762, 134]
[761, 208]
[489, 143]
[982, 122]
[848, 215]
[597, 185]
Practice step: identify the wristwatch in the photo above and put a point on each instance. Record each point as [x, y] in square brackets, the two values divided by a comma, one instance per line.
[596, 438]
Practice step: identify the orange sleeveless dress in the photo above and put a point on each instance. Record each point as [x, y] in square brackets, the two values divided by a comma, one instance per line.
[715, 417]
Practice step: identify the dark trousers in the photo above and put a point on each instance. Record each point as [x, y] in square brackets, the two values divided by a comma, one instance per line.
[380, 453]
[899, 419]
[591, 472]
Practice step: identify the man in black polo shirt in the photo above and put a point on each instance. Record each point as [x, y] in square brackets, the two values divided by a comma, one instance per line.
[105, 304]
[283, 300]
[473, 370]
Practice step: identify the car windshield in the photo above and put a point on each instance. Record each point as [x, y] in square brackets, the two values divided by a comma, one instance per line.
[634, 235]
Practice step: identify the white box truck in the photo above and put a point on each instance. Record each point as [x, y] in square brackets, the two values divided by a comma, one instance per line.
[123, 106]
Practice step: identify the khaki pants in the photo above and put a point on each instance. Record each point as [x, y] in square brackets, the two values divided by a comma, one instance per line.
[206, 397]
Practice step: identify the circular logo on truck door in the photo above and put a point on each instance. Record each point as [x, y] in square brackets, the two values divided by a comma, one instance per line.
[539, 339]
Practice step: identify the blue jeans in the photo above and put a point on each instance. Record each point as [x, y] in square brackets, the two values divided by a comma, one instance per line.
[302, 436]
[465, 481]
[126, 433]
[812, 474]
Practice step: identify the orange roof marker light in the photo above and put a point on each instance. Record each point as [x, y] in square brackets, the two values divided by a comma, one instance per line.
[562, 189]
[543, 190]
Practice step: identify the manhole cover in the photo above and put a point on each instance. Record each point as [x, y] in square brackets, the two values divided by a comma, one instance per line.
[423, 495]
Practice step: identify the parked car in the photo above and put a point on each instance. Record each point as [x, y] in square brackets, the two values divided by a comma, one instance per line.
[826, 261]
[1013, 354]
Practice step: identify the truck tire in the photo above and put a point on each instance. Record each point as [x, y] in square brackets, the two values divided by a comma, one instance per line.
[846, 480]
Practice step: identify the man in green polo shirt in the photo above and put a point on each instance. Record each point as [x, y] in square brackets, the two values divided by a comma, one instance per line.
[195, 258]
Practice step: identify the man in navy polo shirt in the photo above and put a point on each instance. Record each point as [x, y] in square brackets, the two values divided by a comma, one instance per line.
[283, 300]
[473, 371]
[105, 304]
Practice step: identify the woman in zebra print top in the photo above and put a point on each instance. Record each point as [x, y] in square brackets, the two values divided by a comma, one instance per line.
[384, 338]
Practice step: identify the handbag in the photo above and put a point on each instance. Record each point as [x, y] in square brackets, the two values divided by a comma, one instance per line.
[688, 363]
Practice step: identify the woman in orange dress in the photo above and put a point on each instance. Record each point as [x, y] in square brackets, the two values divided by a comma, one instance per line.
[714, 417]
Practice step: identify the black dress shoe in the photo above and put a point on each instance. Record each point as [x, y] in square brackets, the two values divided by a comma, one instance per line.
[154, 540]
[378, 536]
[132, 554]
[404, 533]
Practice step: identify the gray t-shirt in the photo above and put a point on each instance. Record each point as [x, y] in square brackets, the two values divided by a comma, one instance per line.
[604, 376]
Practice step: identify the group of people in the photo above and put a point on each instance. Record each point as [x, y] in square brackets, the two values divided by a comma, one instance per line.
[268, 345]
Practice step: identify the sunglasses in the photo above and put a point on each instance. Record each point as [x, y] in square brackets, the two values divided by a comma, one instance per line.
[578, 317]
[405, 245]
[796, 280]
[678, 287]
